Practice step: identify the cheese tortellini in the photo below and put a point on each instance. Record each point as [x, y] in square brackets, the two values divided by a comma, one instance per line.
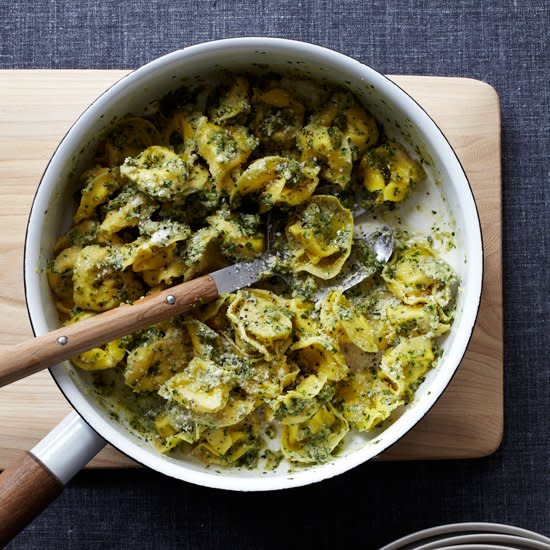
[222, 174]
[278, 181]
[389, 173]
[321, 237]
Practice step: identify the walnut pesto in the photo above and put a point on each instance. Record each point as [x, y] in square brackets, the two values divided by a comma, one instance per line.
[217, 175]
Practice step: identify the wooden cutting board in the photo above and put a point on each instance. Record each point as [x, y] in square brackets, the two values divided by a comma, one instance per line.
[38, 107]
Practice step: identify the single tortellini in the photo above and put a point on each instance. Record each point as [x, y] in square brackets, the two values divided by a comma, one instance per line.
[266, 380]
[337, 136]
[152, 258]
[198, 181]
[277, 181]
[129, 137]
[329, 148]
[180, 427]
[166, 274]
[234, 104]
[389, 172]
[340, 319]
[161, 351]
[358, 126]
[321, 356]
[154, 249]
[158, 172]
[165, 175]
[404, 365]
[261, 322]
[418, 276]
[105, 357]
[60, 277]
[278, 117]
[98, 284]
[179, 132]
[321, 237]
[171, 434]
[234, 412]
[304, 319]
[203, 386]
[366, 399]
[303, 401]
[217, 348]
[240, 236]
[125, 210]
[202, 252]
[413, 320]
[314, 440]
[100, 183]
[224, 148]
[237, 444]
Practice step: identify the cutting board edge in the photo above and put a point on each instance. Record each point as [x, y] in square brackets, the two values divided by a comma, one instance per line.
[484, 89]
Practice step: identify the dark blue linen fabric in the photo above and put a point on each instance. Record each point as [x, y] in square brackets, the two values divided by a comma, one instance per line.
[505, 43]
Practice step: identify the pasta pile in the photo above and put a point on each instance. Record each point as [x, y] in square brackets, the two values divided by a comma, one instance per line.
[201, 184]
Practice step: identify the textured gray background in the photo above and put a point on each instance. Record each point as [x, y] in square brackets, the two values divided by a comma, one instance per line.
[504, 43]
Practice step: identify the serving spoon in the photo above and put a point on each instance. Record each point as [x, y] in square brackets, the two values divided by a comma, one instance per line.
[58, 345]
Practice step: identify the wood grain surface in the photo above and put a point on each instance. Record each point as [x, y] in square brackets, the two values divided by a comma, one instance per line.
[38, 107]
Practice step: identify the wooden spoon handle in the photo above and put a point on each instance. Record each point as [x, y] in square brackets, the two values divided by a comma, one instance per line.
[26, 488]
[45, 351]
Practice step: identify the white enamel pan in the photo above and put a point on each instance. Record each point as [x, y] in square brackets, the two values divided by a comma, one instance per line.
[31, 484]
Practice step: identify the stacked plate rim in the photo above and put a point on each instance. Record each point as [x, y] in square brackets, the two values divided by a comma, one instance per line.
[472, 536]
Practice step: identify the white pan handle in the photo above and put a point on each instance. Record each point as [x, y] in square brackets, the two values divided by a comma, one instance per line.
[31, 483]
[68, 447]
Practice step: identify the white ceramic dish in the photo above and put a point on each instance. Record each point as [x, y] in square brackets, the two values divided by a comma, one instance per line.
[52, 209]
[455, 533]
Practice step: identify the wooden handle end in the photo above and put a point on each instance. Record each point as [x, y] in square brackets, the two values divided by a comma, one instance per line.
[26, 488]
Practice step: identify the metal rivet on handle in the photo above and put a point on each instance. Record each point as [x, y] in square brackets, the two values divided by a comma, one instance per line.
[62, 340]
[170, 299]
